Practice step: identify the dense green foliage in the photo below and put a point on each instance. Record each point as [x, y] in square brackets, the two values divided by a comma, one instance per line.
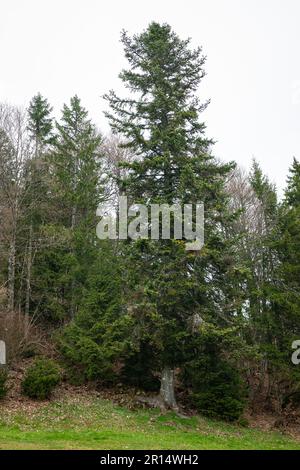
[94, 342]
[40, 379]
[161, 123]
[216, 387]
[3, 379]
[40, 123]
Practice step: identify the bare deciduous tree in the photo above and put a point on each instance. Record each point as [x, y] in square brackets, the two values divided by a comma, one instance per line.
[15, 150]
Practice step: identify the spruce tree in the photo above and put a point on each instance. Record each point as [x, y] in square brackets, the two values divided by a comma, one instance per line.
[75, 164]
[283, 321]
[287, 298]
[262, 259]
[37, 185]
[96, 340]
[292, 193]
[40, 122]
[172, 289]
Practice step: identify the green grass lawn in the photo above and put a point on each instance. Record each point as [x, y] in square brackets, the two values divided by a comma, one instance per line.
[99, 424]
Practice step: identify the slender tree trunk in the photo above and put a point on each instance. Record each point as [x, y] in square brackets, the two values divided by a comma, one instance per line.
[12, 272]
[73, 224]
[73, 218]
[28, 278]
[167, 392]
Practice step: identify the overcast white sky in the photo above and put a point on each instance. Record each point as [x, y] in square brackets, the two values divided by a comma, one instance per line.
[63, 47]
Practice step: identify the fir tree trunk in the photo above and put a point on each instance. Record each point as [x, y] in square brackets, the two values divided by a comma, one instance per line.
[167, 392]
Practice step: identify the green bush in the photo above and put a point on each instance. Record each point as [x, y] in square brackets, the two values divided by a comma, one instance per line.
[3, 379]
[219, 394]
[215, 386]
[93, 344]
[40, 379]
